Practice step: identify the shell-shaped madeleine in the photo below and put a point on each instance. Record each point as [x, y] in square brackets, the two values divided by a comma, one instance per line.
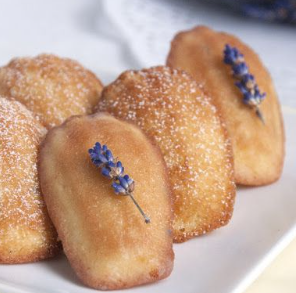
[26, 232]
[258, 148]
[170, 107]
[51, 87]
[104, 236]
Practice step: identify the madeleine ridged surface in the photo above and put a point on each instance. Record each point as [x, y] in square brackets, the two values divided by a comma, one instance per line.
[26, 232]
[170, 107]
[53, 88]
[103, 234]
[258, 148]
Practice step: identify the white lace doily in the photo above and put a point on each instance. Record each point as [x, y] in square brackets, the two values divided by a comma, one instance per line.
[147, 27]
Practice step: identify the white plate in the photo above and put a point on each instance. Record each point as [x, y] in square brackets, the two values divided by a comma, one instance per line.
[264, 220]
[226, 260]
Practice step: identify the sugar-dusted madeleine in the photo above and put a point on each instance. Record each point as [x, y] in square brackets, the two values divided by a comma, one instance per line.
[26, 232]
[258, 147]
[53, 88]
[104, 236]
[170, 107]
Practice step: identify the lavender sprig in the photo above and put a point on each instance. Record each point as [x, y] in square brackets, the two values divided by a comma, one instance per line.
[245, 81]
[122, 184]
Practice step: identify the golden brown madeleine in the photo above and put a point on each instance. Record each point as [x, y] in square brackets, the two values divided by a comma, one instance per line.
[26, 232]
[103, 234]
[170, 107]
[53, 88]
[258, 148]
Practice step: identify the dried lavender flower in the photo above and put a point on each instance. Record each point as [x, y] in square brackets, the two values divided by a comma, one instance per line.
[245, 81]
[122, 184]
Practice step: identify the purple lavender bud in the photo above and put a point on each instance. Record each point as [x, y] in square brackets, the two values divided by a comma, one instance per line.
[123, 182]
[241, 87]
[120, 168]
[97, 147]
[106, 172]
[129, 180]
[118, 188]
[102, 158]
[109, 155]
[247, 98]
[229, 56]
[240, 69]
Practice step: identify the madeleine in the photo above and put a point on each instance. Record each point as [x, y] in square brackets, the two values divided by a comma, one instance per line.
[104, 236]
[258, 147]
[53, 88]
[171, 108]
[26, 232]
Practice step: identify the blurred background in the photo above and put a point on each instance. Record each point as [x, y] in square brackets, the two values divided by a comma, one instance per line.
[110, 36]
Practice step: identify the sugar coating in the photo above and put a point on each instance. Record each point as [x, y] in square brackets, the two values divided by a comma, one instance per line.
[26, 232]
[170, 107]
[52, 87]
[258, 148]
[105, 238]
